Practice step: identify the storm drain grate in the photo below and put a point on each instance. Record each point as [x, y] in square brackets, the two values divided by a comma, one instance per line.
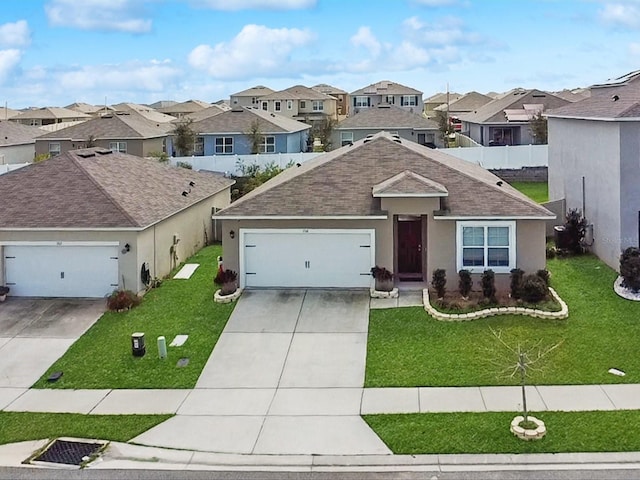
[68, 452]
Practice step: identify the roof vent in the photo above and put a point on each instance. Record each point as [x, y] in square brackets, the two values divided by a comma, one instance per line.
[103, 151]
[397, 140]
[273, 115]
[366, 140]
[615, 98]
[237, 109]
[499, 183]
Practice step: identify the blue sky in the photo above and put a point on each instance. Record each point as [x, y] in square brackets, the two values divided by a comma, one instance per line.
[55, 52]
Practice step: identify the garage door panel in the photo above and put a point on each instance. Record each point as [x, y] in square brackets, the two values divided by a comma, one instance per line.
[61, 271]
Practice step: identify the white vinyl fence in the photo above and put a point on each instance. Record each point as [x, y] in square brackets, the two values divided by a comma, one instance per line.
[516, 156]
[229, 164]
[11, 166]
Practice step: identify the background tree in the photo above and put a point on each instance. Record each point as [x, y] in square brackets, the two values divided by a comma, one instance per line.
[538, 126]
[253, 175]
[255, 136]
[322, 130]
[445, 127]
[184, 138]
[91, 141]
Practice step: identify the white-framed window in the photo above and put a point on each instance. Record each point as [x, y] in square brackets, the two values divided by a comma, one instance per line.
[318, 105]
[409, 100]
[254, 100]
[486, 245]
[289, 104]
[346, 138]
[265, 105]
[268, 145]
[277, 106]
[54, 148]
[198, 146]
[391, 99]
[303, 104]
[118, 147]
[224, 145]
[362, 102]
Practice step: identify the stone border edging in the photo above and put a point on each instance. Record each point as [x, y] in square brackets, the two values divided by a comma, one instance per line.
[528, 433]
[490, 312]
[382, 294]
[227, 298]
[621, 291]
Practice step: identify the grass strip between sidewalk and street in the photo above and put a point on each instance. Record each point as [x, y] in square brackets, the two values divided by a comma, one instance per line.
[24, 426]
[102, 357]
[441, 433]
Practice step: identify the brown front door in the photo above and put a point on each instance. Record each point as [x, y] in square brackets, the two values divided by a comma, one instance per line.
[410, 249]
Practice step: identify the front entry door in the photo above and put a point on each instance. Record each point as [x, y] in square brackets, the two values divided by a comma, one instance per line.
[410, 249]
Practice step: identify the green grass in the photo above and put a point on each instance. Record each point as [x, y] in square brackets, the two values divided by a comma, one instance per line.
[407, 347]
[411, 434]
[102, 357]
[20, 427]
[537, 191]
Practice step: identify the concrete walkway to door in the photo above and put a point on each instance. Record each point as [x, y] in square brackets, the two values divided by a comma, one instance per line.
[286, 376]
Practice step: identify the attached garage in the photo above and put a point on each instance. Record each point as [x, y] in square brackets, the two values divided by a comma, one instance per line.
[66, 270]
[306, 257]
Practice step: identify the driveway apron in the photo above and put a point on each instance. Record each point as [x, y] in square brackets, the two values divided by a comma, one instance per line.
[285, 377]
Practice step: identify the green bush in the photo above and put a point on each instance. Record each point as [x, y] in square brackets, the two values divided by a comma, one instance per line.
[575, 228]
[121, 300]
[630, 268]
[533, 289]
[516, 281]
[439, 282]
[544, 275]
[488, 282]
[464, 282]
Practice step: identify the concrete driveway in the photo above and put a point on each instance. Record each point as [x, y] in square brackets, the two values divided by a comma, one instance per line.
[35, 332]
[286, 377]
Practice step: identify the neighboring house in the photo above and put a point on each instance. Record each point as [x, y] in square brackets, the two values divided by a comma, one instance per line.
[182, 109]
[385, 91]
[384, 117]
[382, 201]
[226, 133]
[249, 97]
[162, 104]
[8, 113]
[37, 117]
[93, 110]
[434, 101]
[122, 132]
[147, 112]
[574, 95]
[342, 97]
[594, 153]
[467, 103]
[300, 103]
[202, 114]
[17, 142]
[505, 120]
[90, 221]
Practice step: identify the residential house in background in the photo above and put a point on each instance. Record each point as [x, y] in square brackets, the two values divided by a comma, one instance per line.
[37, 117]
[183, 109]
[385, 91]
[147, 112]
[8, 113]
[202, 114]
[436, 100]
[17, 142]
[594, 152]
[300, 103]
[505, 120]
[228, 133]
[467, 103]
[341, 96]
[162, 104]
[121, 132]
[384, 117]
[381, 201]
[93, 110]
[90, 221]
[249, 97]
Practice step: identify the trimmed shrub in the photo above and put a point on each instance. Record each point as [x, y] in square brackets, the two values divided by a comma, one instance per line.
[516, 282]
[439, 282]
[575, 228]
[464, 283]
[544, 275]
[630, 268]
[533, 289]
[488, 282]
[121, 300]
[227, 281]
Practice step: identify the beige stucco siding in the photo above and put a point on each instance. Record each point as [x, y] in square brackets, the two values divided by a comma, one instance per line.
[531, 245]
[138, 147]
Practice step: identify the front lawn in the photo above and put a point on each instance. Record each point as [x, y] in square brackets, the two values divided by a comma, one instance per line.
[102, 357]
[407, 347]
[24, 426]
[413, 434]
[537, 191]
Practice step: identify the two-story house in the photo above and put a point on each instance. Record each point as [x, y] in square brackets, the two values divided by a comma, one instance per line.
[38, 117]
[385, 91]
[341, 96]
[300, 103]
[249, 97]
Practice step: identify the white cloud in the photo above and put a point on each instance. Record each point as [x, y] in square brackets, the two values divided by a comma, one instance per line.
[15, 34]
[621, 14]
[9, 59]
[257, 50]
[364, 38]
[134, 76]
[234, 5]
[117, 15]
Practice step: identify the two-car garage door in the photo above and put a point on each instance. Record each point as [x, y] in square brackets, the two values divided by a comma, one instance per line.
[61, 270]
[306, 258]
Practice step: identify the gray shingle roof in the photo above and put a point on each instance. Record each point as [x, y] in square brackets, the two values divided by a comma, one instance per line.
[202, 114]
[388, 117]
[615, 101]
[111, 190]
[441, 97]
[147, 112]
[12, 133]
[189, 106]
[385, 87]
[339, 183]
[256, 91]
[409, 183]
[112, 127]
[48, 113]
[297, 92]
[7, 113]
[328, 89]
[239, 120]
[466, 103]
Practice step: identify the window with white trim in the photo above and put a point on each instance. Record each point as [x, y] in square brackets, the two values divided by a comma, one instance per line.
[303, 105]
[54, 148]
[391, 99]
[277, 106]
[346, 138]
[486, 245]
[118, 147]
[318, 105]
[268, 145]
[361, 101]
[409, 100]
[265, 105]
[224, 145]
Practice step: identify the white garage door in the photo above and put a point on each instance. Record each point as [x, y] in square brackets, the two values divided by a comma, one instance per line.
[306, 258]
[61, 271]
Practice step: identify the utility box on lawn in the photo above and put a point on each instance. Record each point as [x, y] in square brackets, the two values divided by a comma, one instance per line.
[137, 344]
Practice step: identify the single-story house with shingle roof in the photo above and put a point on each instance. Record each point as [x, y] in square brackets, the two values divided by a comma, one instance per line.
[90, 221]
[17, 142]
[382, 201]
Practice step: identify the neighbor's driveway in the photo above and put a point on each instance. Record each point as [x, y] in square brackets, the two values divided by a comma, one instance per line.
[35, 332]
[285, 377]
